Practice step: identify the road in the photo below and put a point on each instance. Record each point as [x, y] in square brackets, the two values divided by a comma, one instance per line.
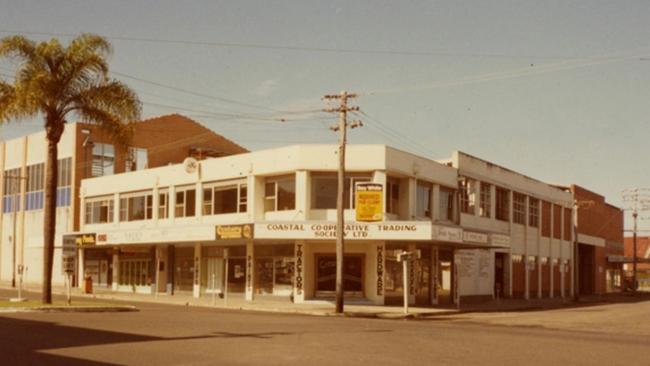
[175, 335]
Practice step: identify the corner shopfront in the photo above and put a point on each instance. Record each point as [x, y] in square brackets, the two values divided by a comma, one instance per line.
[285, 259]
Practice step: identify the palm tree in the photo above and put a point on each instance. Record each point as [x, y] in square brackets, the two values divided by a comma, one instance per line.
[56, 83]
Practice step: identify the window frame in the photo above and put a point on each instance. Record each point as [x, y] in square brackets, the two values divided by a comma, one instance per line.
[485, 204]
[419, 206]
[502, 207]
[467, 194]
[184, 206]
[102, 158]
[241, 201]
[126, 200]
[533, 211]
[519, 208]
[110, 208]
[274, 197]
[349, 187]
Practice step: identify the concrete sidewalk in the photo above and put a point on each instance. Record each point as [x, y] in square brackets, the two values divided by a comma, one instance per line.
[353, 307]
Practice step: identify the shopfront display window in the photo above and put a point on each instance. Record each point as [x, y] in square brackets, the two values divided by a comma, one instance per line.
[274, 269]
[352, 274]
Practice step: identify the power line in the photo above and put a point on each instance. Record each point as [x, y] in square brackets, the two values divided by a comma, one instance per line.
[309, 48]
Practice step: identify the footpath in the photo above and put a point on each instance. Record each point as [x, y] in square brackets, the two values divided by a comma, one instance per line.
[353, 307]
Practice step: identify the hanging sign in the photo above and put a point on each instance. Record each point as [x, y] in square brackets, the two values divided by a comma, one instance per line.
[369, 199]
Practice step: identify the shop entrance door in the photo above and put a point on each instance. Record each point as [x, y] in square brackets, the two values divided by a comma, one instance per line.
[326, 275]
[445, 277]
[212, 277]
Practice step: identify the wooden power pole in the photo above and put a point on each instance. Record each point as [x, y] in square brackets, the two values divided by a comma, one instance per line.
[343, 110]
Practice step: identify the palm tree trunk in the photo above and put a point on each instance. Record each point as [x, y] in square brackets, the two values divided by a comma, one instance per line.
[49, 220]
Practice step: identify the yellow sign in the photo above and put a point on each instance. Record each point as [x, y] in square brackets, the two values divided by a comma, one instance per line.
[234, 232]
[369, 201]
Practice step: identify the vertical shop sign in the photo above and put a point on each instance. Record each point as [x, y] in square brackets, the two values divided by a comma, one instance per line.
[380, 270]
[299, 269]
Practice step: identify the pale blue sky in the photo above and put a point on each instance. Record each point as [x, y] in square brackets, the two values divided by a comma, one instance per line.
[554, 89]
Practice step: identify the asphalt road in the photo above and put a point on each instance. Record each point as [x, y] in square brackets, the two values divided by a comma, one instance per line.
[173, 335]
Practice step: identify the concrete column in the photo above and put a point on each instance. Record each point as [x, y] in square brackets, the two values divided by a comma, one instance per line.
[527, 277]
[539, 276]
[303, 195]
[250, 270]
[562, 271]
[412, 284]
[116, 208]
[255, 198]
[433, 279]
[380, 271]
[155, 202]
[477, 198]
[299, 272]
[171, 201]
[509, 277]
[493, 202]
[197, 271]
[116, 270]
[170, 269]
[80, 268]
[198, 200]
[435, 202]
[412, 198]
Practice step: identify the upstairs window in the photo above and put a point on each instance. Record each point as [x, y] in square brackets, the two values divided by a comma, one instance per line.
[446, 204]
[64, 183]
[485, 206]
[519, 208]
[99, 210]
[185, 202]
[468, 196]
[423, 199]
[163, 204]
[224, 199]
[324, 187]
[392, 196]
[11, 190]
[137, 159]
[34, 189]
[280, 193]
[503, 204]
[533, 212]
[136, 206]
[103, 160]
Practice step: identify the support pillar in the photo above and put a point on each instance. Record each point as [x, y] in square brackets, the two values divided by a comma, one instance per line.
[539, 276]
[299, 272]
[197, 271]
[433, 279]
[250, 257]
[412, 285]
[116, 269]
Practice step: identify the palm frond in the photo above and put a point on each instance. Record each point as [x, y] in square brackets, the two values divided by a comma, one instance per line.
[18, 47]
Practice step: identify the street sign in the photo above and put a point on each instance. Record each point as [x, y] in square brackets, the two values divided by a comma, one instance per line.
[369, 201]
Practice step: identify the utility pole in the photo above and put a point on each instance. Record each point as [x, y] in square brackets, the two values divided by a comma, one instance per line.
[14, 183]
[343, 110]
[638, 200]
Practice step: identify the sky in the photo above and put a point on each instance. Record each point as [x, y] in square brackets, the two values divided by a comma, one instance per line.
[556, 90]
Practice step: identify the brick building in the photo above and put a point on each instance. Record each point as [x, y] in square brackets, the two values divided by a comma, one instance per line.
[600, 243]
[643, 260]
[84, 151]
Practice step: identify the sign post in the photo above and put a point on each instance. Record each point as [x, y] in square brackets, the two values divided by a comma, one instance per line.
[406, 257]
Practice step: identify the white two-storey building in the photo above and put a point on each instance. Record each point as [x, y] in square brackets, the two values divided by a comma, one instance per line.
[263, 224]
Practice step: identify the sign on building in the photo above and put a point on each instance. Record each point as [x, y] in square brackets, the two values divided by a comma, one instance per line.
[225, 232]
[369, 199]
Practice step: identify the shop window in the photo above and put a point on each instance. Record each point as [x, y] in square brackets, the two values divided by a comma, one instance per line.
[502, 204]
[135, 272]
[485, 205]
[163, 203]
[185, 202]
[519, 208]
[533, 212]
[423, 199]
[392, 196]
[34, 190]
[64, 183]
[137, 159]
[224, 199]
[446, 204]
[324, 187]
[11, 190]
[468, 196]
[103, 160]
[280, 193]
[136, 206]
[99, 210]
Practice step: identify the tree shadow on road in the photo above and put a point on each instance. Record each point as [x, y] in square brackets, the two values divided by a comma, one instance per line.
[26, 342]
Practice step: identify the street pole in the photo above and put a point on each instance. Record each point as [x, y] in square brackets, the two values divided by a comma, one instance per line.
[13, 241]
[343, 110]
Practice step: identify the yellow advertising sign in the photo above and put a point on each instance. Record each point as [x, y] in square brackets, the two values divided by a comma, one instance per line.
[369, 201]
[234, 232]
